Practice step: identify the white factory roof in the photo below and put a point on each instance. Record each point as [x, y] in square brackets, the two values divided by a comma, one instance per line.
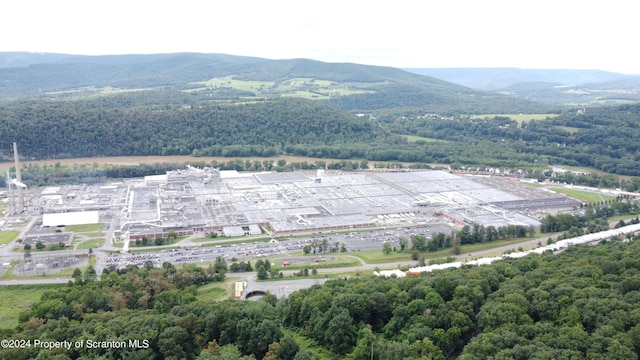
[71, 218]
[156, 178]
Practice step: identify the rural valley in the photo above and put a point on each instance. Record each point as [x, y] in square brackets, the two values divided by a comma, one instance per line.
[209, 206]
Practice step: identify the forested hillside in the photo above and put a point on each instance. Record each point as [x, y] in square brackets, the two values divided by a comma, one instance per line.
[256, 129]
[55, 76]
[559, 86]
[604, 138]
[607, 93]
[60, 73]
[583, 303]
[435, 100]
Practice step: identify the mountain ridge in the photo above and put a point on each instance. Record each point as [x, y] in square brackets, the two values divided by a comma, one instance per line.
[56, 75]
[500, 78]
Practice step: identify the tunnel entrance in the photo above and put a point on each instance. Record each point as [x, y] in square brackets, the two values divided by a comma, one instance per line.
[255, 293]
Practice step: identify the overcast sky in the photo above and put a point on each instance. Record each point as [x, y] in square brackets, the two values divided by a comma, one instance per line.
[548, 34]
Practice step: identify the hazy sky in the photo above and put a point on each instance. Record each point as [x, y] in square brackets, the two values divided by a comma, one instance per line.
[555, 34]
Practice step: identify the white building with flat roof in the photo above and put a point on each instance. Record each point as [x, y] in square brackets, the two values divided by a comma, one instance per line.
[71, 218]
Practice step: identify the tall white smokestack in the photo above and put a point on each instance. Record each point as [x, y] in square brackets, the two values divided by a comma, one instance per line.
[18, 178]
[12, 202]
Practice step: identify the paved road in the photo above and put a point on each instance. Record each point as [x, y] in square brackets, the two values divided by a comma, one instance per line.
[35, 281]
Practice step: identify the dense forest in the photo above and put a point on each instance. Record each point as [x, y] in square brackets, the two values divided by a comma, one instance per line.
[259, 129]
[605, 139]
[582, 303]
[602, 138]
[266, 128]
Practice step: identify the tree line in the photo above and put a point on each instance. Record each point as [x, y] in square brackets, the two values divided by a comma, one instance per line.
[468, 234]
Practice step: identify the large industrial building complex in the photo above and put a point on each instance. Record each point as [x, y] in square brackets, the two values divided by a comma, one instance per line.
[231, 203]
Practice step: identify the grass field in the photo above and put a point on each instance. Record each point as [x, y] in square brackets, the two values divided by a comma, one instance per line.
[308, 88]
[414, 138]
[90, 244]
[8, 236]
[213, 291]
[517, 117]
[207, 241]
[230, 82]
[18, 298]
[581, 195]
[338, 262]
[376, 256]
[85, 228]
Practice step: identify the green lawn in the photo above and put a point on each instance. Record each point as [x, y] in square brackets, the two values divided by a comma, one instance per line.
[376, 256]
[213, 292]
[8, 236]
[207, 241]
[85, 228]
[583, 195]
[90, 244]
[92, 234]
[18, 298]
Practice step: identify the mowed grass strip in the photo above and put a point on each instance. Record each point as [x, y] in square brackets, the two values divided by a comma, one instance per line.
[85, 228]
[90, 244]
[582, 195]
[324, 262]
[376, 256]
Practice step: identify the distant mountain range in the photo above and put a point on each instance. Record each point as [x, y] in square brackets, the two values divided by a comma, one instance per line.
[361, 88]
[559, 86]
[351, 87]
[500, 78]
